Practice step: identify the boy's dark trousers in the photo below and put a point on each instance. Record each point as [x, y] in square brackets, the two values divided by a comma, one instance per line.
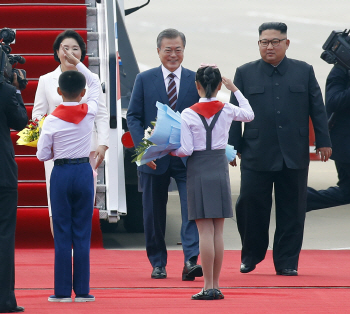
[72, 195]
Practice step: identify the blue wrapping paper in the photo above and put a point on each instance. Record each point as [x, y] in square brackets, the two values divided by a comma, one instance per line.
[166, 136]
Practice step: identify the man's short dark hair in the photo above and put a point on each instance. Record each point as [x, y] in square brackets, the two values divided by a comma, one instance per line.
[278, 26]
[71, 83]
[170, 33]
[69, 33]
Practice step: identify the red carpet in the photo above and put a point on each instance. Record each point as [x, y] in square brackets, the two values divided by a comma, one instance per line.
[131, 269]
[59, 17]
[175, 301]
[29, 41]
[121, 283]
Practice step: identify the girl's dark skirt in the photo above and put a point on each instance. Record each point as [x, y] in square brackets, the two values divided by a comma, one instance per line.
[208, 185]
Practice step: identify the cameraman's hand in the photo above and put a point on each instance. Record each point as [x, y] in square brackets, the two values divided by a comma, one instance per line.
[70, 57]
[15, 80]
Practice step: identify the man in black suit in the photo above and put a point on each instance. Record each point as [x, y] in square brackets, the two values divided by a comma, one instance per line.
[154, 85]
[12, 115]
[274, 150]
[337, 107]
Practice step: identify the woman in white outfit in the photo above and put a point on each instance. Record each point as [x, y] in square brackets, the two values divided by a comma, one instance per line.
[47, 99]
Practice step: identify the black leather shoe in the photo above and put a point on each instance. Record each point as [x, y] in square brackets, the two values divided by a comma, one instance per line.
[218, 294]
[208, 294]
[15, 310]
[158, 273]
[246, 268]
[191, 270]
[287, 272]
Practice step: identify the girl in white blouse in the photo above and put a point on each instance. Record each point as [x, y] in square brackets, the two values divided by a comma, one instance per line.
[204, 135]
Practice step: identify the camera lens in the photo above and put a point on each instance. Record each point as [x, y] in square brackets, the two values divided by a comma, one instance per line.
[8, 35]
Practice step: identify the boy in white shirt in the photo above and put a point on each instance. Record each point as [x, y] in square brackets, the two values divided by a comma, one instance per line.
[65, 138]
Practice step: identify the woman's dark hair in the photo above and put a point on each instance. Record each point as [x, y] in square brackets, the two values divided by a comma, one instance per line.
[69, 33]
[209, 78]
[277, 26]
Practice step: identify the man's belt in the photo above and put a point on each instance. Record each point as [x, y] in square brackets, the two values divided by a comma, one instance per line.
[60, 162]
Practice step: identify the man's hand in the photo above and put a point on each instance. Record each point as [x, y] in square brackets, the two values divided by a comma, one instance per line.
[15, 80]
[324, 153]
[152, 165]
[100, 154]
[70, 57]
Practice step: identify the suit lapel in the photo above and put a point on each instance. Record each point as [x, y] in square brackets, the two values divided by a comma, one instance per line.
[56, 73]
[158, 81]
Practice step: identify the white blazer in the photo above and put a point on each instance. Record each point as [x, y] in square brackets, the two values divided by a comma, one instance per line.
[47, 99]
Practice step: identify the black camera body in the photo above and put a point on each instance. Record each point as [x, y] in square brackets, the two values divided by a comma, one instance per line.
[7, 35]
[337, 49]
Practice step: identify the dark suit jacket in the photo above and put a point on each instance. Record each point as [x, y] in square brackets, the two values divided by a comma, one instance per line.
[338, 101]
[282, 99]
[13, 115]
[149, 88]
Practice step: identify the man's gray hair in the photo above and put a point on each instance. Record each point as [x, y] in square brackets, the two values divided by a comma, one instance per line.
[170, 33]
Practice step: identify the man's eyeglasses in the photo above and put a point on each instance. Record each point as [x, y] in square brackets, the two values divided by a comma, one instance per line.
[274, 42]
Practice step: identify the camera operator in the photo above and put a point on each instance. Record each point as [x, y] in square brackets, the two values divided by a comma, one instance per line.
[338, 111]
[13, 115]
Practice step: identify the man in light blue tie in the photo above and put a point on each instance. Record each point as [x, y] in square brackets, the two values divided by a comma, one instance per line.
[174, 85]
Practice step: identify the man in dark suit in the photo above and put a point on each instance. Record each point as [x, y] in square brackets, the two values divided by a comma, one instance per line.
[12, 115]
[274, 150]
[337, 107]
[173, 85]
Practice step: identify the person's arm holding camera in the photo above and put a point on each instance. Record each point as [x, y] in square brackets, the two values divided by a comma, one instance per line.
[337, 90]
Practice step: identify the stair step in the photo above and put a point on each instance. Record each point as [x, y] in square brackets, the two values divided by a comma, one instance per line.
[28, 94]
[30, 168]
[43, 1]
[32, 194]
[44, 16]
[38, 41]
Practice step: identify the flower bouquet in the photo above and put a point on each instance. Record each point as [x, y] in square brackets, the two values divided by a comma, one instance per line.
[29, 136]
[165, 137]
[162, 139]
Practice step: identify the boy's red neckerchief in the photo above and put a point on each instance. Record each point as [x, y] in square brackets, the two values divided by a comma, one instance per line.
[72, 114]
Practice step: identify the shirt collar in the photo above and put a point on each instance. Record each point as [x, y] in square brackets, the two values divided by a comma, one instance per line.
[207, 100]
[70, 103]
[166, 72]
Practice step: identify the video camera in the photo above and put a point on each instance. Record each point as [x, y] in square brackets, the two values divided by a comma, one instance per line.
[7, 36]
[337, 49]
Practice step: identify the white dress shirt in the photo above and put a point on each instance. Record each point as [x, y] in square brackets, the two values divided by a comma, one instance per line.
[193, 133]
[62, 139]
[177, 78]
